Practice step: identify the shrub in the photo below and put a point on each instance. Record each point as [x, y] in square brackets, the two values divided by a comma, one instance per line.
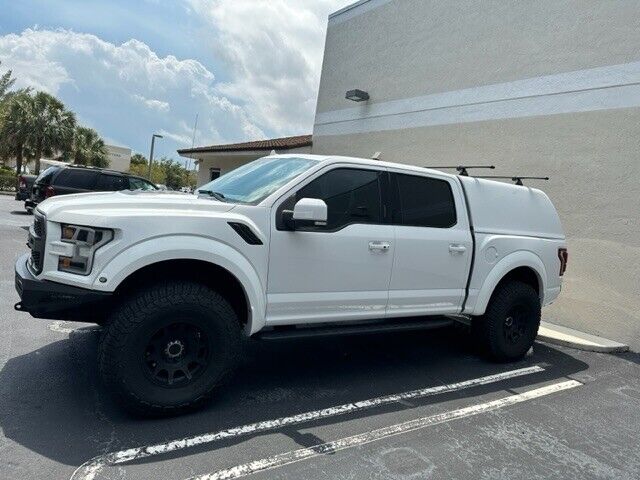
[7, 183]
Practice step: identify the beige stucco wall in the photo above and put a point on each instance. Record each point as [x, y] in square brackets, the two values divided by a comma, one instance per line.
[532, 87]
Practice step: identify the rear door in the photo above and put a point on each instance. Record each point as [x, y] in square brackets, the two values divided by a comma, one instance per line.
[433, 245]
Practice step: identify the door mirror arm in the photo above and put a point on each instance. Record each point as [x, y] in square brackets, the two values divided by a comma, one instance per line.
[287, 220]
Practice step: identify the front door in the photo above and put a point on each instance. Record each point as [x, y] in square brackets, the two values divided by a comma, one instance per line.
[338, 271]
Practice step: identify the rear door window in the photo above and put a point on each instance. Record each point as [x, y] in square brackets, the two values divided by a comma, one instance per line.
[423, 202]
[76, 178]
[111, 183]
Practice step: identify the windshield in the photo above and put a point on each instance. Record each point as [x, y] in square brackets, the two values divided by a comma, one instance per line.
[255, 181]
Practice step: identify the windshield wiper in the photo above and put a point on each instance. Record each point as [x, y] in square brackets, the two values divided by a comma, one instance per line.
[217, 195]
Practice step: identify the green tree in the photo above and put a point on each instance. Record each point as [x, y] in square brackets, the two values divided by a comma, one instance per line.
[17, 125]
[53, 127]
[6, 82]
[89, 148]
[139, 159]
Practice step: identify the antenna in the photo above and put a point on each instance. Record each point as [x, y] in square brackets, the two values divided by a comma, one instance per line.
[517, 179]
[462, 169]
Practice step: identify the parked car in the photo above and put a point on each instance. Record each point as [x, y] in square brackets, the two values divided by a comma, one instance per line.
[288, 247]
[63, 180]
[25, 184]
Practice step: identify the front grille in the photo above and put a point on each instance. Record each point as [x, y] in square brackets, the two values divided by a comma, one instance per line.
[37, 242]
[38, 225]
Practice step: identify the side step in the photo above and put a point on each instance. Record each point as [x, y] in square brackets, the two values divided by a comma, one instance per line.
[293, 332]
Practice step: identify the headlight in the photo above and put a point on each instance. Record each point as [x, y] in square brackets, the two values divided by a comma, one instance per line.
[85, 240]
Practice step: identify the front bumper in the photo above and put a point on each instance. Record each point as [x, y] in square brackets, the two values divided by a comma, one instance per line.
[45, 299]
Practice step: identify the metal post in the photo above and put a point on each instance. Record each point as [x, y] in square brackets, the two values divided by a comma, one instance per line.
[153, 142]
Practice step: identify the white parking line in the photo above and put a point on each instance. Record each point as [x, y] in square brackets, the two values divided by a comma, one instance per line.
[91, 468]
[373, 435]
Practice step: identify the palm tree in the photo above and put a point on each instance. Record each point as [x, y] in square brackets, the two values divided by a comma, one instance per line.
[6, 82]
[89, 148]
[17, 125]
[53, 127]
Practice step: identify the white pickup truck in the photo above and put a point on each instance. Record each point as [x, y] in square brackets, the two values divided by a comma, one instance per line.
[284, 247]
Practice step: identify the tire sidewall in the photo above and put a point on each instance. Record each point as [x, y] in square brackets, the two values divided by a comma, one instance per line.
[515, 295]
[219, 331]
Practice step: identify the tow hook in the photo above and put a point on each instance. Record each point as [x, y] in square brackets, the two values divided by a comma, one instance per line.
[18, 306]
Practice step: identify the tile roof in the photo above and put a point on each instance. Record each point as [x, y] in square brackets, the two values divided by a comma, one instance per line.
[272, 144]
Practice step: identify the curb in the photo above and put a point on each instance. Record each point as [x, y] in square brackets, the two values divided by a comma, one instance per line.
[568, 337]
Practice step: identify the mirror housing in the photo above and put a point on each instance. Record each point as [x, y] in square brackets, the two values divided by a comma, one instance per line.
[306, 212]
[310, 209]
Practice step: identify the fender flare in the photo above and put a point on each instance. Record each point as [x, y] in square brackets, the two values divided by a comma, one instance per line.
[519, 258]
[189, 247]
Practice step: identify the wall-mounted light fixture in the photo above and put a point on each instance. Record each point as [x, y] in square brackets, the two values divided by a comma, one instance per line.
[357, 95]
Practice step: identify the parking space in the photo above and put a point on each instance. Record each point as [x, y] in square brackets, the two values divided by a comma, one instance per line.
[419, 405]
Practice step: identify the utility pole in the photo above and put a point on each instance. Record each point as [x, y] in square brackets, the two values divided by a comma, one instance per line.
[153, 142]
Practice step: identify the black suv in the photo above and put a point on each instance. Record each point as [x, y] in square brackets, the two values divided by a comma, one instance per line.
[65, 179]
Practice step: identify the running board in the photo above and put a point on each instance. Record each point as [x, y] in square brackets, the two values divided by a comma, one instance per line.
[293, 332]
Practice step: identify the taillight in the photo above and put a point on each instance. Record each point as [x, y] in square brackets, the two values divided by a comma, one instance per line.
[23, 183]
[563, 255]
[49, 192]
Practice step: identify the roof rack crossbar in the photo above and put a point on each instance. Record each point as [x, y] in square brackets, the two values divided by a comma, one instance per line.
[517, 178]
[462, 169]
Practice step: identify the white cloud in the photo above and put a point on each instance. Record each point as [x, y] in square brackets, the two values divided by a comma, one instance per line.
[270, 53]
[274, 52]
[152, 103]
[127, 91]
[182, 138]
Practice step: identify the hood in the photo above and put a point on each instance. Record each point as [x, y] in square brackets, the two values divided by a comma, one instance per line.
[96, 208]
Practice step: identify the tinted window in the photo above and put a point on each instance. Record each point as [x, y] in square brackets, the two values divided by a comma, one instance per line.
[424, 202]
[139, 184]
[111, 182]
[351, 195]
[76, 178]
[45, 175]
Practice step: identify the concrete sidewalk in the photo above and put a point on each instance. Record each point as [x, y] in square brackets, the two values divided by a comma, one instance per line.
[569, 337]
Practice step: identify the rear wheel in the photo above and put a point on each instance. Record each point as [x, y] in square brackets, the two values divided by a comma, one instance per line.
[510, 324]
[167, 347]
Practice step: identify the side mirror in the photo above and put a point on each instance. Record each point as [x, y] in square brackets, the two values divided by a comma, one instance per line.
[307, 211]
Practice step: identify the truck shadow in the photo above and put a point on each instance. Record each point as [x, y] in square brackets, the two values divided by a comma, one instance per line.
[52, 402]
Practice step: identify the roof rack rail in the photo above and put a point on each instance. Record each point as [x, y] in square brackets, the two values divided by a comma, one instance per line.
[462, 169]
[517, 179]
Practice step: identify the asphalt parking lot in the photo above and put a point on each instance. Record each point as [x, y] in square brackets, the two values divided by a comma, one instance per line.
[406, 406]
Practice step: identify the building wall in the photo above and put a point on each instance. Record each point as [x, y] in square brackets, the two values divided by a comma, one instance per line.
[119, 158]
[534, 87]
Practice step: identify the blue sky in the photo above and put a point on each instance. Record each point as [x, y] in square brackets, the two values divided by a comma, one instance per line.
[248, 68]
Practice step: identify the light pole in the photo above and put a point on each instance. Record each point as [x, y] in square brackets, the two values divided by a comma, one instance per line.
[153, 142]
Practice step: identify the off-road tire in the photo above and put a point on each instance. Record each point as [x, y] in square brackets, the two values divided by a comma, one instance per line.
[173, 307]
[494, 330]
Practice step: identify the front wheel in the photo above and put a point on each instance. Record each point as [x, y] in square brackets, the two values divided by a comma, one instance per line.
[167, 347]
[510, 324]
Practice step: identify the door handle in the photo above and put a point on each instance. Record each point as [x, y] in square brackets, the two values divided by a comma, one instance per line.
[379, 246]
[457, 248]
